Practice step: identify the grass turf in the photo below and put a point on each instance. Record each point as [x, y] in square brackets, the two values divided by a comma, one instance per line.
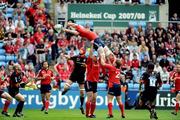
[30, 114]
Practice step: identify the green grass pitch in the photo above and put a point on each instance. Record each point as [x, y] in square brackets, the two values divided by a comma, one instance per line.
[36, 114]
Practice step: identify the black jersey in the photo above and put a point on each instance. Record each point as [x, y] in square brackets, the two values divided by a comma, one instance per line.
[16, 78]
[151, 81]
[79, 65]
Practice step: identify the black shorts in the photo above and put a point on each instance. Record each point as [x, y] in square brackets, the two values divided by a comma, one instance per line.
[98, 43]
[148, 95]
[77, 78]
[177, 92]
[45, 89]
[1, 92]
[90, 86]
[115, 90]
[13, 91]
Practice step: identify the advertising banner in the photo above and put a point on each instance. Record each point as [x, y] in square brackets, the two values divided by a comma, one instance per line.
[164, 99]
[57, 101]
[102, 12]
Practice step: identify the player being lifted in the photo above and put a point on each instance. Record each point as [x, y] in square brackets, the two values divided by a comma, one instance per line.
[176, 79]
[152, 82]
[45, 75]
[77, 75]
[114, 84]
[92, 78]
[90, 35]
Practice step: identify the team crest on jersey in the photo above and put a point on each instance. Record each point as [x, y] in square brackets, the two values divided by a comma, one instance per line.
[78, 59]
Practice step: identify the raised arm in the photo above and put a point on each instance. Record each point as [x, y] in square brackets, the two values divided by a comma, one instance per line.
[55, 67]
[71, 31]
[91, 50]
[72, 24]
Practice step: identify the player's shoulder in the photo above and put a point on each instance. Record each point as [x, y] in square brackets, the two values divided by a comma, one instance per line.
[145, 74]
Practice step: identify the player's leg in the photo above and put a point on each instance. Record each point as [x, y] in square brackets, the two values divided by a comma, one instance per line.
[153, 113]
[43, 100]
[67, 85]
[9, 99]
[82, 89]
[93, 102]
[177, 103]
[43, 90]
[88, 103]
[89, 94]
[18, 112]
[121, 106]
[151, 106]
[47, 96]
[93, 105]
[110, 105]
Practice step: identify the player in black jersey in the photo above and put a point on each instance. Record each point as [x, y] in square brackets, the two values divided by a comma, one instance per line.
[77, 75]
[152, 82]
[15, 84]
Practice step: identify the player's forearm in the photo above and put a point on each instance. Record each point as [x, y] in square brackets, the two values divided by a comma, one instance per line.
[102, 62]
[71, 31]
[91, 51]
[72, 24]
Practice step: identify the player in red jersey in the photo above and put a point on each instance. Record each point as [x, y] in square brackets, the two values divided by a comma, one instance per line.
[176, 79]
[90, 35]
[92, 78]
[45, 75]
[6, 96]
[114, 85]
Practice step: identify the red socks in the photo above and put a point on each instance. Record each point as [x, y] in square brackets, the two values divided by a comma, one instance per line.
[6, 105]
[110, 106]
[121, 107]
[177, 107]
[93, 107]
[46, 105]
[88, 105]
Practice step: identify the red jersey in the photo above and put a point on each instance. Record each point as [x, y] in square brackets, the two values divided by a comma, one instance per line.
[135, 63]
[48, 74]
[86, 33]
[64, 74]
[176, 78]
[114, 75]
[125, 63]
[31, 74]
[9, 49]
[38, 36]
[93, 70]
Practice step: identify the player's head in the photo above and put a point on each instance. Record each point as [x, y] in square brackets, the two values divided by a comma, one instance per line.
[112, 58]
[17, 68]
[150, 67]
[95, 56]
[178, 67]
[82, 52]
[118, 63]
[45, 65]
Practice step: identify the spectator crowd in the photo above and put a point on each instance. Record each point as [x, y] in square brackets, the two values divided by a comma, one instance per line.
[27, 32]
